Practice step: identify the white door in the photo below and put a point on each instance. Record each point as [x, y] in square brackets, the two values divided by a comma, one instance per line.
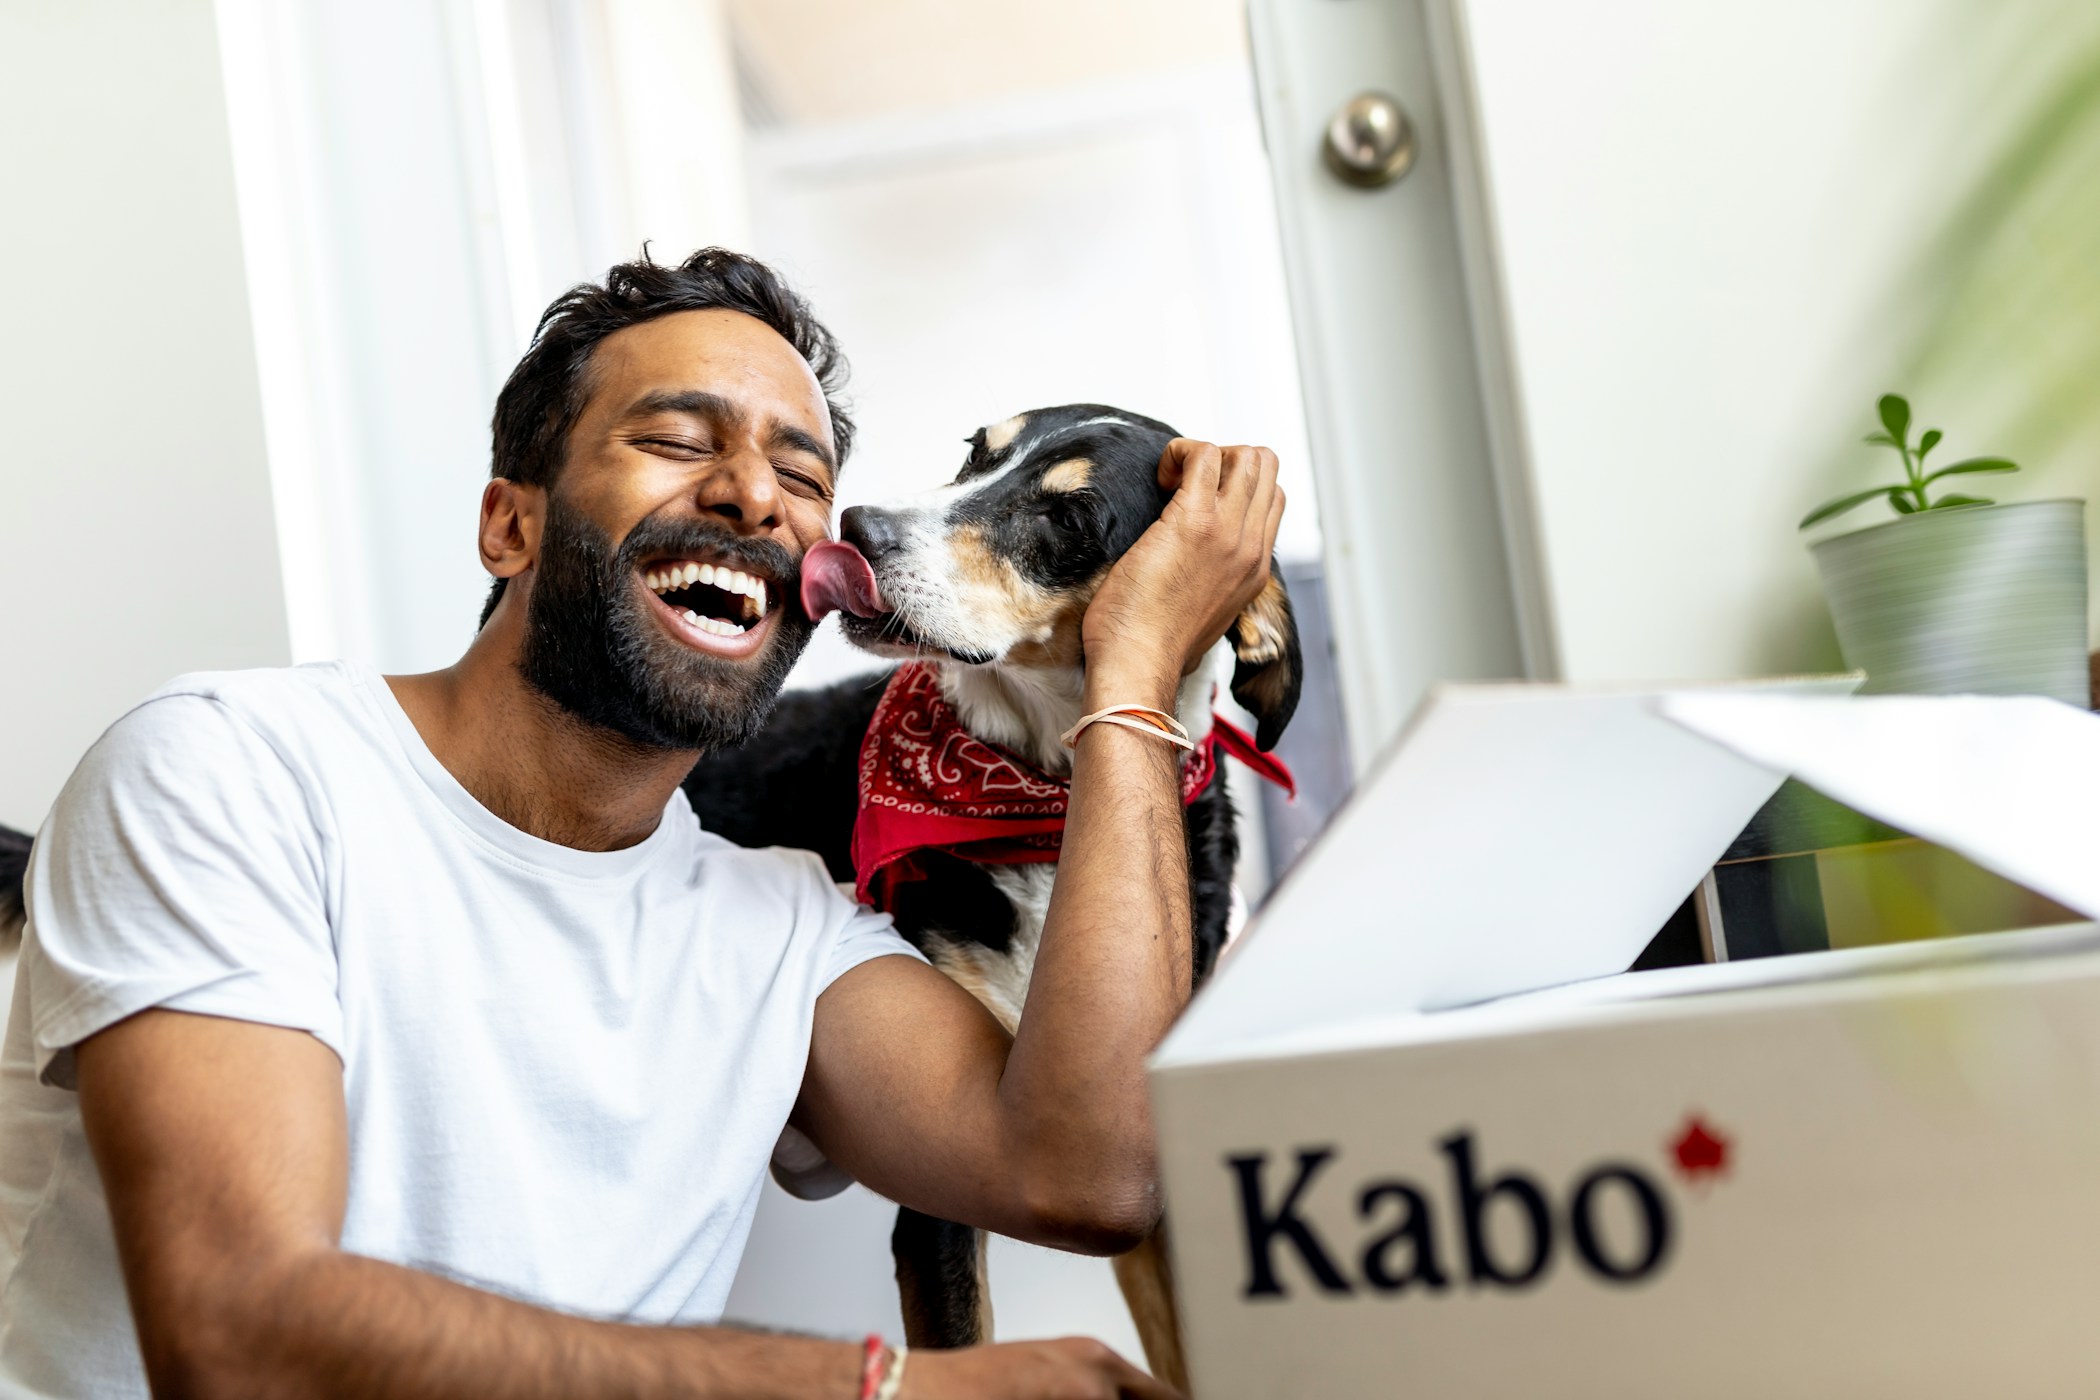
[1418, 567]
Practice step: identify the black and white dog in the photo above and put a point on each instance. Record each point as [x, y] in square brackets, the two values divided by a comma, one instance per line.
[984, 583]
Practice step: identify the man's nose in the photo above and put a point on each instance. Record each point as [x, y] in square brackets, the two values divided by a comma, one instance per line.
[872, 531]
[742, 491]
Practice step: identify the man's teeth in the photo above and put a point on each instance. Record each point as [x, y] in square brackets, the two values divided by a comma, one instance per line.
[686, 574]
[713, 624]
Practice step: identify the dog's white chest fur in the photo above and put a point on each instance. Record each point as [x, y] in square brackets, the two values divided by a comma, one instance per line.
[999, 979]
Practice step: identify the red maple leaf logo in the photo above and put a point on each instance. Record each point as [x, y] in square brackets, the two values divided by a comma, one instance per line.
[1700, 1150]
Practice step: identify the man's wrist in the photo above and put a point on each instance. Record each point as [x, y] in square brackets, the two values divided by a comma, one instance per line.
[1131, 684]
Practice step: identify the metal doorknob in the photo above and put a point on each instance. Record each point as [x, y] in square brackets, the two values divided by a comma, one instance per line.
[1370, 142]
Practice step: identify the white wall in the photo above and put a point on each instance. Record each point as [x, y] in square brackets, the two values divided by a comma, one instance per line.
[136, 539]
[1706, 215]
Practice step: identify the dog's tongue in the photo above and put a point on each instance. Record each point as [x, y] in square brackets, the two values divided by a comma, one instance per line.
[834, 577]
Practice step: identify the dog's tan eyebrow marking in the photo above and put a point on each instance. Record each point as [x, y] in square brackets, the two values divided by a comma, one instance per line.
[996, 590]
[1068, 476]
[1001, 435]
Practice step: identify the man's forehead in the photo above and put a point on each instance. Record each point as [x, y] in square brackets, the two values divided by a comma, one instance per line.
[717, 351]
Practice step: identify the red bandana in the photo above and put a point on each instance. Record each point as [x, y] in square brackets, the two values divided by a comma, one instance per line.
[927, 785]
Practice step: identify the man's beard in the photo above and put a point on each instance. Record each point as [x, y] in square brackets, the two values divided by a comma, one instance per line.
[592, 648]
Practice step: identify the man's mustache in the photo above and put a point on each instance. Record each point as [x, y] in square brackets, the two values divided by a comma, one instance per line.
[656, 535]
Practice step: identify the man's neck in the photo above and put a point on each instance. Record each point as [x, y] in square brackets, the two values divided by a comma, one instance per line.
[531, 762]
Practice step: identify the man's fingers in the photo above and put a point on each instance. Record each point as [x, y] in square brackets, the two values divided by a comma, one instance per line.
[1108, 1364]
[1249, 471]
[1172, 462]
[1251, 512]
[1263, 501]
[1131, 1381]
[1275, 522]
[1237, 476]
[1191, 468]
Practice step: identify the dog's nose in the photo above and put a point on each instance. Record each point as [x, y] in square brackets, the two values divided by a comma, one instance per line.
[870, 530]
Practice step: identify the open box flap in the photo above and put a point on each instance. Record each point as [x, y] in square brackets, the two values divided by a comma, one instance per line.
[2011, 782]
[1635, 994]
[1515, 837]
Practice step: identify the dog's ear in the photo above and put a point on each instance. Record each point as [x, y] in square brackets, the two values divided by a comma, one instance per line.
[1268, 668]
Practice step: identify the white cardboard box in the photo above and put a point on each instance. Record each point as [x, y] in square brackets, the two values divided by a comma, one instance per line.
[1859, 1173]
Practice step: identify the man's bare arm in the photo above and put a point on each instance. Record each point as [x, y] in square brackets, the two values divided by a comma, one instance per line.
[223, 1153]
[912, 1087]
[222, 1150]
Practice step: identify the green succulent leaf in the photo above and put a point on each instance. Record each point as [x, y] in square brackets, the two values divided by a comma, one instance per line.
[1842, 504]
[1895, 415]
[1909, 498]
[1974, 464]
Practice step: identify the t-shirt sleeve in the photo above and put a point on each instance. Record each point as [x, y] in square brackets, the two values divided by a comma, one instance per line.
[863, 935]
[182, 867]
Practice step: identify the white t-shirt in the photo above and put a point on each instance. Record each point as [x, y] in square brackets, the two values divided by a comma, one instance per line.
[564, 1069]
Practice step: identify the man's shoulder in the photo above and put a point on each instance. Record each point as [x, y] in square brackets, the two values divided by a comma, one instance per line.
[261, 688]
[202, 716]
[261, 696]
[785, 870]
[783, 865]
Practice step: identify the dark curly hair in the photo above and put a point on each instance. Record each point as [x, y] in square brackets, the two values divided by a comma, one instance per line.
[546, 393]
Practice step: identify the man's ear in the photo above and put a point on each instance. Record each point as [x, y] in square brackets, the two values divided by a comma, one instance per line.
[1268, 668]
[512, 515]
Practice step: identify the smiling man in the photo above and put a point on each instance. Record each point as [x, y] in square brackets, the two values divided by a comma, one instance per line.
[405, 1036]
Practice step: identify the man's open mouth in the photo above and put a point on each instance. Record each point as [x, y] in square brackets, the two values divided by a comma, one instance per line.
[709, 598]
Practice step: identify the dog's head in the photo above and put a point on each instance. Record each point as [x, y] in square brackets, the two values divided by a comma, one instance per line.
[997, 568]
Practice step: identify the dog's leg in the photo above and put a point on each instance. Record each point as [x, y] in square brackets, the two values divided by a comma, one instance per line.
[941, 1281]
[1147, 1280]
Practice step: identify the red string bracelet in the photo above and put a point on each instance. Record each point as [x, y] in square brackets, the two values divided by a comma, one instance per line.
[873, 1365]
[1142, 718]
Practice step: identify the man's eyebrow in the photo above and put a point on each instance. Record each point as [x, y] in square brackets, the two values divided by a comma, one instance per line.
[698, 402]
[788, 435]
[702, 404]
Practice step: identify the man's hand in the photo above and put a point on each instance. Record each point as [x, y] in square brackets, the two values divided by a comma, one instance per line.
[1172, 595]
[1076, 1368]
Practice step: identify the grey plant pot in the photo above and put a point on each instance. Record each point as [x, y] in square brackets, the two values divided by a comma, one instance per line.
[1982, 600]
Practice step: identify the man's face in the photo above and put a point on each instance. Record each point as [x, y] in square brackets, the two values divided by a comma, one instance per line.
[664, 603]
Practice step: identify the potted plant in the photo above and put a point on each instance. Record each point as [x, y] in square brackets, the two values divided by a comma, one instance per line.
[1958, 595]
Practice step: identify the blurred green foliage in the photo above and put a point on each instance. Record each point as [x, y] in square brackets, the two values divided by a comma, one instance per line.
[2005, 294]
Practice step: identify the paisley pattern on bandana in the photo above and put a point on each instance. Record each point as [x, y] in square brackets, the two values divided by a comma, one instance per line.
[927, 784]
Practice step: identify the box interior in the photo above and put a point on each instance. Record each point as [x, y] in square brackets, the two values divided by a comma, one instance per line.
[1515, 837]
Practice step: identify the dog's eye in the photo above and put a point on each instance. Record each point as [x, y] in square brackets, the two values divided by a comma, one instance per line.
[1062, 516]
